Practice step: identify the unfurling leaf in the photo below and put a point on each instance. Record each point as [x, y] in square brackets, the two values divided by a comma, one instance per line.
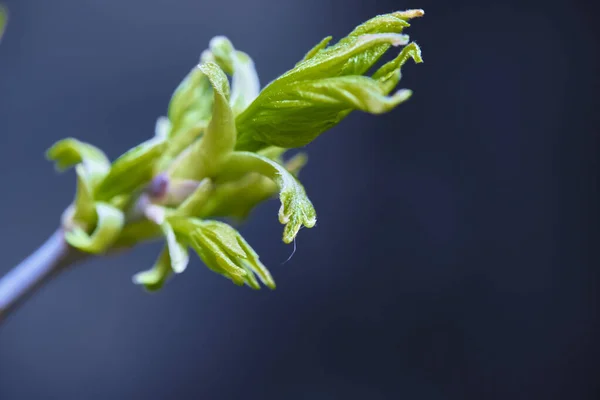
[325, 87]
[318, 47]
[69, 152]
[296, 209]
[191, 102]
[155, 278]
[223, 250]
[132, 170]
[178, 253]
[205, 156]
[84, 208]
[245, 83]
[109, 225]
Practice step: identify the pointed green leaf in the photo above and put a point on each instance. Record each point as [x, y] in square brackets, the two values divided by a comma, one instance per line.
[250, 278]
[69, 152]
[348, 92]
[109, 225]
[296, 209]
[192, 100]
[220, 134]
[394, 22]
[245, 83]
[223, 250]
[178, 253]
[85, 209]
[237, 198]
[255, 265]
[222, 258]
[132, 170]
[189, 112]
[223, 53]
[325, 87]
[224, 235]
[320, 46]
[205, 156]
[389, 74]
[156, 277]
[217, 263]
[340, 59]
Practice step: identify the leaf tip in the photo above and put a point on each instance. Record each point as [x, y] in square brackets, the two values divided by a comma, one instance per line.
[410, 14]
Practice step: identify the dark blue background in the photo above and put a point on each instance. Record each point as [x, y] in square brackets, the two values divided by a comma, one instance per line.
[456, 254]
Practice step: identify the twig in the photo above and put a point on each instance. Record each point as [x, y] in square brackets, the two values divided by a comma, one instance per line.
[51, 258]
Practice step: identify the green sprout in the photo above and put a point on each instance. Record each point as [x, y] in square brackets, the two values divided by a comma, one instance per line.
[220, 151]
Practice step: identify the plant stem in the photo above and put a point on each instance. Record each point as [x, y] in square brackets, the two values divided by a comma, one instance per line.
[51, 258]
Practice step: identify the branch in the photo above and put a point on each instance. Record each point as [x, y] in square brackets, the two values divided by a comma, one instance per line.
[53, 257]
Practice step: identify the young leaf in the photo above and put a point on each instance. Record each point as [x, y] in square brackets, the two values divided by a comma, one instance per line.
[178, 253]
[69, 152]
[389, 74]
[221, 52]
[296, 209]
[223, 250]
[155, 278]
[253, 263]
[84, 208]
[132, 170]
[189, 112]
[245, 83]
[236, 199]
[318, 47]
[343, 58]
[192, 100]
[109, 225]
[297, 107]
[205, 156]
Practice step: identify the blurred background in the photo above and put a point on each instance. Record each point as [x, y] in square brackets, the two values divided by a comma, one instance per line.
[456, 254]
